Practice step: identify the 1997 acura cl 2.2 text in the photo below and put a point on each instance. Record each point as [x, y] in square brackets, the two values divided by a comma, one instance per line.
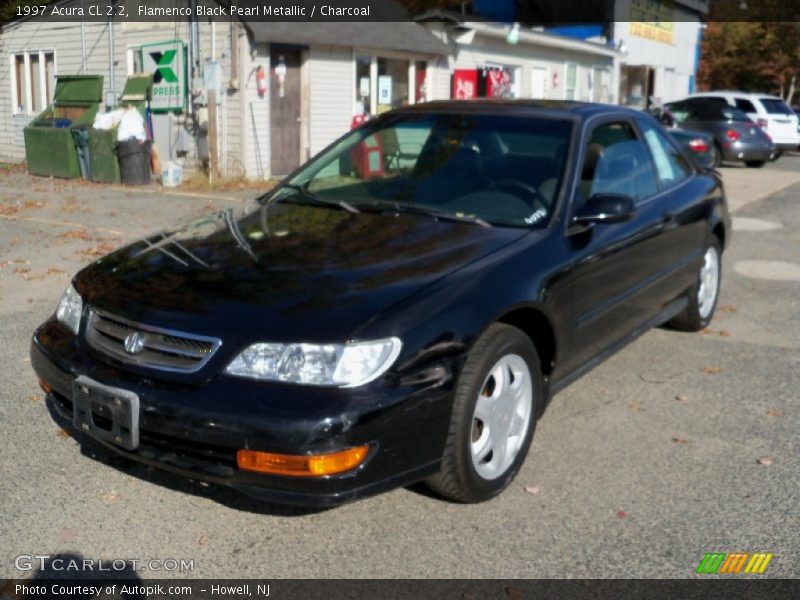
[400, 308]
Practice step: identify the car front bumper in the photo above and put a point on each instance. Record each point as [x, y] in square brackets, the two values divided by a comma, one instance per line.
[196, 430]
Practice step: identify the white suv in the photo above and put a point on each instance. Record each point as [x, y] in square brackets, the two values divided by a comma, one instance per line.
[771, 113]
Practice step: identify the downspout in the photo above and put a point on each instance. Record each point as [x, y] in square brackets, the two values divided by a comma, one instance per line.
[111, 86]
[83, 42]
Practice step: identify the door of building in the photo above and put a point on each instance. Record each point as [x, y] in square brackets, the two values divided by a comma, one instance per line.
[538, 82]
[285, 110]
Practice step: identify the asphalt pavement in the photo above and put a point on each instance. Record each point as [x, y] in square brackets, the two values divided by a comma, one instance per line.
[680, 444]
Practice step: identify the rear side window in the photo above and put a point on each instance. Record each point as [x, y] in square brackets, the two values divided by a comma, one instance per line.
[745, 105]
[776, 107]
[708, 109]
[616, 162]
[671, 166]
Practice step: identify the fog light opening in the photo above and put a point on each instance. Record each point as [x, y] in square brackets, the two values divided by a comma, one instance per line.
[314, 465]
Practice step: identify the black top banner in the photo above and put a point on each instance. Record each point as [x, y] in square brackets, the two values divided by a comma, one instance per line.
[527, 12]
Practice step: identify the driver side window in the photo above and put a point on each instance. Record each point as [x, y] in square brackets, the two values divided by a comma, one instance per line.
[616, 162]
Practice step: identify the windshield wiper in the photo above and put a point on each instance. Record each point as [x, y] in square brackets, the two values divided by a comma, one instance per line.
[437, 213]
[319, 200]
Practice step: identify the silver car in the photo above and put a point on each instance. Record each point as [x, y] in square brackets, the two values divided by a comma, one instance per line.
[736, 137]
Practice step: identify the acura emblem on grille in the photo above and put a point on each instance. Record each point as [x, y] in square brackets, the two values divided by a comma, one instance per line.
[134, 343]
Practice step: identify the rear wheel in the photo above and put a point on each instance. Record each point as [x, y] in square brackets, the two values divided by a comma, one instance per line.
[717, 156]
[494, 415]
[704, 293]
[755, 164]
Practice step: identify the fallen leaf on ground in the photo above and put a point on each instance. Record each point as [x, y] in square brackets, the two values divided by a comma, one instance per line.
[110, 496]
[76, 234]
[726, 308]
[677, 440]
[63, 433]
[764, 462]
[682, 398]
[635, 405]
[202, 540]
[706, 331]
[724, 333]
[99, 250]
[532, 489]
[9, 210]
[34, 204]
[34, 398]
[774, 413]
[514, 593]
[66, 535]
[712, 370]
[622, 514]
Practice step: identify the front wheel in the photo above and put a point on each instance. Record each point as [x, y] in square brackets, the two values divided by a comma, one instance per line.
[496, 403]
[704, 293]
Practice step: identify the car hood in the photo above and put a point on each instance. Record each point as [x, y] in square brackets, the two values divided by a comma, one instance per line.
[282, 272]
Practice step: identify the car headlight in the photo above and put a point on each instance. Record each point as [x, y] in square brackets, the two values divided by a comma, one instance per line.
[339, 365]
[69, 309]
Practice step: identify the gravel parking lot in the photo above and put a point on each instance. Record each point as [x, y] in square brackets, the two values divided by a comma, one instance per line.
[679, 445]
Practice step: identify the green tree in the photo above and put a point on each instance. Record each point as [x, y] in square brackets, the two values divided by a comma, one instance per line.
[760, 54]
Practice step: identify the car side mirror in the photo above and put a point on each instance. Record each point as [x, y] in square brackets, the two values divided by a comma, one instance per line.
[604, 208]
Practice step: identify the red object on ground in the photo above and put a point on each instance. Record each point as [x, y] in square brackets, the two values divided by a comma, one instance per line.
[367, 158]
[358, 121]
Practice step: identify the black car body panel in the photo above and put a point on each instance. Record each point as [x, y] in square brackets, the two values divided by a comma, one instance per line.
[697, 144]
[315, 274]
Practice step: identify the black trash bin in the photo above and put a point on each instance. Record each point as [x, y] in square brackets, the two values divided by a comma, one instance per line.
[81, 137]
[134, 162]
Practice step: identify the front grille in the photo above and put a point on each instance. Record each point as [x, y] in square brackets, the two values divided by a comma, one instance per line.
[161, 349]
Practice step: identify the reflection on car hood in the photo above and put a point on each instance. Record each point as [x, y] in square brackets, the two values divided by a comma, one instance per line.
[284, 271]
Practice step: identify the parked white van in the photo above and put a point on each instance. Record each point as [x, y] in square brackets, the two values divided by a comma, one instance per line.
[771, 113]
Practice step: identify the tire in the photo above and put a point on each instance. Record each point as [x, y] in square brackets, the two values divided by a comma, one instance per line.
[717, 156]
[500, 367]
[699, 313]
[755, 164]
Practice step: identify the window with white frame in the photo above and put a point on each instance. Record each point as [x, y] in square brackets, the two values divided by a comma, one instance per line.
[32, 78]
[386, 82]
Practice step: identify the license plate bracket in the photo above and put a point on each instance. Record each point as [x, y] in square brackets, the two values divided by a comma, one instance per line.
[105, 412]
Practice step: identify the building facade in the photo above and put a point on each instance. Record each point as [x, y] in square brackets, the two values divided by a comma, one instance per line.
[286, 90]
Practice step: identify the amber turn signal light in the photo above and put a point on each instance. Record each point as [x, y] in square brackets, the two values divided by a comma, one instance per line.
[313, 465]
[46, 387]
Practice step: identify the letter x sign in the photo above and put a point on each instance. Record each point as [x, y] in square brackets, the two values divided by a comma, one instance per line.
[164, 70]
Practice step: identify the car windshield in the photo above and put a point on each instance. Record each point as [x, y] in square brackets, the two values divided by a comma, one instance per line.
[775, 106]
[488, 169]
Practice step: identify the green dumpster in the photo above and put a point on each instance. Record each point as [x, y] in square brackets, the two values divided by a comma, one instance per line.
[103, 161]
[49, 145]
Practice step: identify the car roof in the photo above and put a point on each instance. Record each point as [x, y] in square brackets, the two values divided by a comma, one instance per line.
[553, 108]
[756, 95]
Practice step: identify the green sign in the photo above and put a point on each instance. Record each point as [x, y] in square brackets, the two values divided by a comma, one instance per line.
[167, 62]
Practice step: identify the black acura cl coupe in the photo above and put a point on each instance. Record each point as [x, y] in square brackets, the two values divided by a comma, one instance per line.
[401, 308]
